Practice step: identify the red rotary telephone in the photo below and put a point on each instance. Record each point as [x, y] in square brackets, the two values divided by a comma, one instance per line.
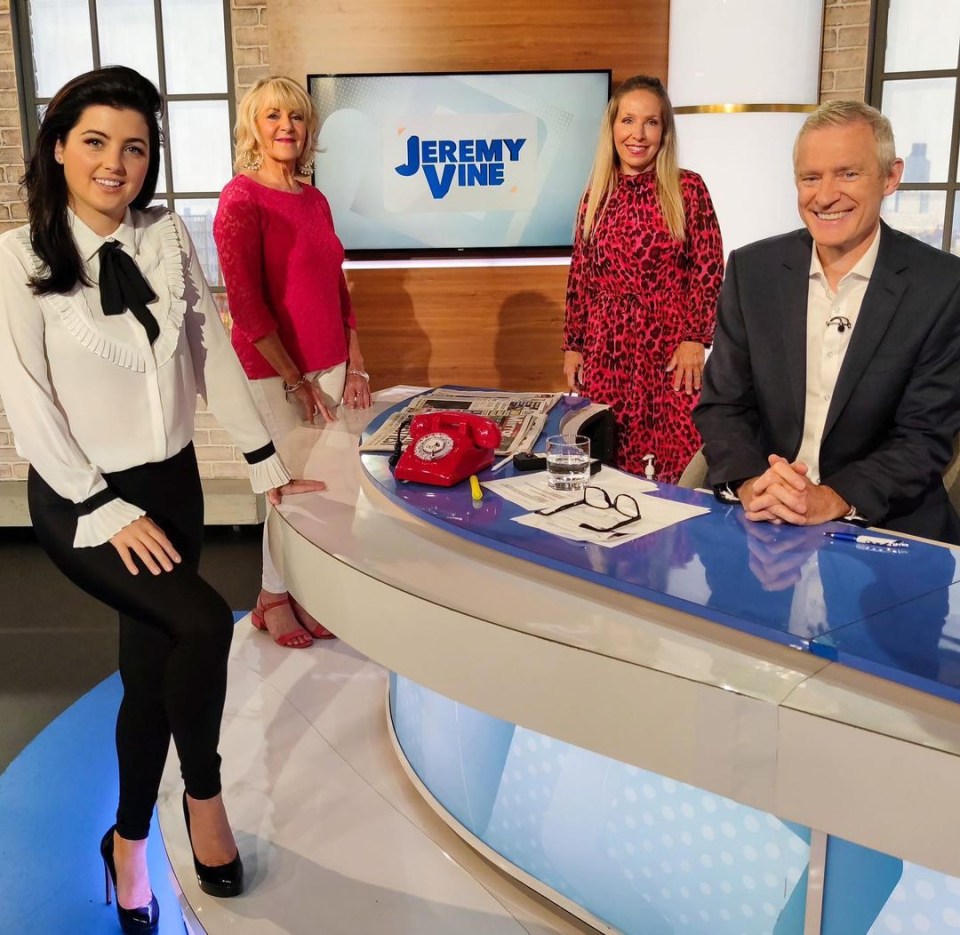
[447, 447]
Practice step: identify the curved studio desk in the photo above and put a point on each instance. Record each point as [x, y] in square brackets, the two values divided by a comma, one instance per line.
[649, 734]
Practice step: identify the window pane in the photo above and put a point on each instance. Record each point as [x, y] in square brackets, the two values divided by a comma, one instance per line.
[193, 41]
[200, 145]
[922, 35]
[221, 299]
[921, 112]
[955, 239]
[128, 35]
[919, 214]
[197, 214]
[62, 48]
[162, 177]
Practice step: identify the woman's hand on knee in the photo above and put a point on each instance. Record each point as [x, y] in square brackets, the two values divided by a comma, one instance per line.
[276, 494]
[145, 539]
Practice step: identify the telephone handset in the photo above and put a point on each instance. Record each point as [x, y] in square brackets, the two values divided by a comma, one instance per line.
[447, 447]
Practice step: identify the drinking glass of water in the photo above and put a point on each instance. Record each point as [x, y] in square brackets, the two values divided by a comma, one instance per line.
[568, 461]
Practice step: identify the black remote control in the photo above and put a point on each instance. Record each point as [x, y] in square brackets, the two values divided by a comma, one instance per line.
[527, 461]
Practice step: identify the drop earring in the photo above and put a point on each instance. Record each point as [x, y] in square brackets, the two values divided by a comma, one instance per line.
[306, 168]
[253, 162]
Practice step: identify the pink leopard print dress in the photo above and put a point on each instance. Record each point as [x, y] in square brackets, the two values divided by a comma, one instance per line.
[634, 293]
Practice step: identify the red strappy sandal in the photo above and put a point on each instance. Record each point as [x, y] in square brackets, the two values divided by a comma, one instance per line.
[317, 630]
[292, 640]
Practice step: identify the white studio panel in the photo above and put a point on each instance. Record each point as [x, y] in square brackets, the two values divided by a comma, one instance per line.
[747, 162]
[745, 51]
[743, 76]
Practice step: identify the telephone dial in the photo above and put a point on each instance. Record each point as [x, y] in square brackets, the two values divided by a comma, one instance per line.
[447, 447]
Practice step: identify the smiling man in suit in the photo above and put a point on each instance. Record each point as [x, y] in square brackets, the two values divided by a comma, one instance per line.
[833, 388]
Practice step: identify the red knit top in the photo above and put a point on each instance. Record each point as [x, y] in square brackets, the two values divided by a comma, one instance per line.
[282, 266]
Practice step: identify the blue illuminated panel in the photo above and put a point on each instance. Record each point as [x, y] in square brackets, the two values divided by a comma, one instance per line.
[644, 853]
[876, 894]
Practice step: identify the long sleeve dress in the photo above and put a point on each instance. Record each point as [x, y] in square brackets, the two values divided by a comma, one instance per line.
[633, 295]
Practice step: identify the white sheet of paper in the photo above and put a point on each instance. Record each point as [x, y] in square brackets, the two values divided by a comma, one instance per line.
[531, 491]
[656, 514]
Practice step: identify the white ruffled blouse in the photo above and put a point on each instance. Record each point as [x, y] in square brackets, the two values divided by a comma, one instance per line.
[86, 394]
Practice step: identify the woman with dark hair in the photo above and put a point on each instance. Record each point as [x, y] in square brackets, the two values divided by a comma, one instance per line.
[107, 333]
[293, 324]
[644, 280]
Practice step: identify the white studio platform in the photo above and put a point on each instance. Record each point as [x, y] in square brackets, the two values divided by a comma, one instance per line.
[334, 837]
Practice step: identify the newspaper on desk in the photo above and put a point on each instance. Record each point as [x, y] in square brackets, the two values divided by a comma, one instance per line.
[520, 416]
[531, 492]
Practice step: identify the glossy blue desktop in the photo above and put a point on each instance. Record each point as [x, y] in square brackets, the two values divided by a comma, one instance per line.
[884, 611]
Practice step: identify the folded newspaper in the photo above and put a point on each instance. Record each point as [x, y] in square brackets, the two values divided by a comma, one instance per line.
[520, 416]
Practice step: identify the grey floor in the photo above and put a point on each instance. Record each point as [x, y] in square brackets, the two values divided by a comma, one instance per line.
[56, 643]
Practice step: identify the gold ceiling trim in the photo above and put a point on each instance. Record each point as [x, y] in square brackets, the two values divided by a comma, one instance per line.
[746, 109]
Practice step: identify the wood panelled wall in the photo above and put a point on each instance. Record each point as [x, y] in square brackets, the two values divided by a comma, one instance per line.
[489, 326]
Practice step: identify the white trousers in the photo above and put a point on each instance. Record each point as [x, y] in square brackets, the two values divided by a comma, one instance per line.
[292, 436]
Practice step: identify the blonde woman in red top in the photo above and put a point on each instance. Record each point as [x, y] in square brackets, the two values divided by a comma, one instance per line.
[293, 325]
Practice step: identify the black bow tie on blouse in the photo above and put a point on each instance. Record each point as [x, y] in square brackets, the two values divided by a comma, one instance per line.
[122, 287]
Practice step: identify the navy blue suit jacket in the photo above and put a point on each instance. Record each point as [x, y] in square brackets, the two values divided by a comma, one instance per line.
[896, 406]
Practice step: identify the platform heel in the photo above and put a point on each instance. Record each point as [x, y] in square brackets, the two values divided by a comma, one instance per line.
[141, 921]
[224, 880]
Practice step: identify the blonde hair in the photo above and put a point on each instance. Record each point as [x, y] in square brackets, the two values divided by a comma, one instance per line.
[605, 174]
[275, 91]
[842, 113]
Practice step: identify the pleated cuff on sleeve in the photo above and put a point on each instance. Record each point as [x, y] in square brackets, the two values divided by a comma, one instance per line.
[267, 473]
[103, 523]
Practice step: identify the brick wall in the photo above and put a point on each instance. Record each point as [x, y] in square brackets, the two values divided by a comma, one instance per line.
[11, 209]
[12, 213]
[250, 41]
[846, 34]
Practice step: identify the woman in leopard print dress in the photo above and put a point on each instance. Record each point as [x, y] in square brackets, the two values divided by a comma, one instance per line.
[644, 279]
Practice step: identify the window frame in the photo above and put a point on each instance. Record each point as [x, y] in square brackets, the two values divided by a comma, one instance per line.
[30, 102]
[877, 77]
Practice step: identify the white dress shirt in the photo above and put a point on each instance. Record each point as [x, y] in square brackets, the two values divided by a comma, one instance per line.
[827, 344]
[86, 394]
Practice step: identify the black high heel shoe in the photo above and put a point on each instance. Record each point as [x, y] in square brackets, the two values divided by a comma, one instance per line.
[141, 921]
[223, 880]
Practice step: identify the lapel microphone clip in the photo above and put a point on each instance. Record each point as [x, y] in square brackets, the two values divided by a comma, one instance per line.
[841, 321]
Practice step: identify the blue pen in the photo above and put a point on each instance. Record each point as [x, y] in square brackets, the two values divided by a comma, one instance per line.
[868, 540]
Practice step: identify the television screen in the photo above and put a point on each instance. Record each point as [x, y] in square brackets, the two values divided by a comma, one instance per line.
[427, 163]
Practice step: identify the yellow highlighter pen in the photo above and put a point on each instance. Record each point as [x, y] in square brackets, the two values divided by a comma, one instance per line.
[476, 491]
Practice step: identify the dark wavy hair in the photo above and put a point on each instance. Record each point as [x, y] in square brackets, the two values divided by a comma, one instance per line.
[44, 183]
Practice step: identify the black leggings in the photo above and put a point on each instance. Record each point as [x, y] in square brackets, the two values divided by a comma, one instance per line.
[175, 633]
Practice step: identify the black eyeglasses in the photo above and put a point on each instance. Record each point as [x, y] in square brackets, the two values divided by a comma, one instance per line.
[599, 499]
